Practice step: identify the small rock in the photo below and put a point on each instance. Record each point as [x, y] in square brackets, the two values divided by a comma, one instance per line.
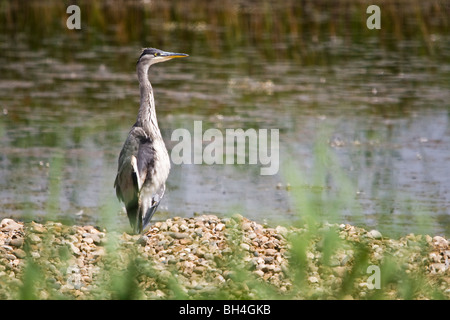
[435, 257]
[199, 269]
[268, 260]
[313, 279]
[375, 234]
[438, 268]
[37, 227]
[281, 230]
[345, 260]
[164, 227]
[246, 226]
[178, 235]
[245, 246]
[10, 256]
[16, 242]
[9, 225]
[440, 242]
[88, 240]
[220, 227]
[74, 248]
[185, 241]
[259, 273]
[268, 267]
[339, 271]
[334, 262]
[34, 238]
[363, 285]
[252, 235]
[19, 253]
[93, 237]
[142, 240]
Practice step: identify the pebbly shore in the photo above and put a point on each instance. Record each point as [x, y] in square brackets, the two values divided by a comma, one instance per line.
[211, 257]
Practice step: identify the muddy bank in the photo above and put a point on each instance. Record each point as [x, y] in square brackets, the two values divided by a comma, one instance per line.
[208, 257]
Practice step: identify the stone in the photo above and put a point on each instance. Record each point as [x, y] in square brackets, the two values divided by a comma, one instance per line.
[268, 260]
[375, 234]
[438, 268]
[9, 225]
[435, 257]
[281, 230]
[10, 256]
[340, 271]
[178, 235]
[16, 242]
[245, 246]
[246, 226]
[271, 252]
[34, 238]
[37, 227]
[74, 248]
[440, 242]
[220, 227]
[19, 253]
[259, 273]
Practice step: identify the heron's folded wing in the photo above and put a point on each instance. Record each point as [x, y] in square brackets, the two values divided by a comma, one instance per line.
[129, 178]
[145, 160]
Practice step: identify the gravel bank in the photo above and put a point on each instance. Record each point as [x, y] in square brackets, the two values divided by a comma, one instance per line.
[207, 256]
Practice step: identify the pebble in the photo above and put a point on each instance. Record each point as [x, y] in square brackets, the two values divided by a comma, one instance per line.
[438, 268]
[9, 225]
[375, 234]
[19, 253]
[440, 242]
[245, 246]
[220, 227]
[37, 227]
[16, 242]
[178, 235]
[34, 238]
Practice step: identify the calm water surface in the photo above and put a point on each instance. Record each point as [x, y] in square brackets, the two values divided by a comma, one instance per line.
[363, 115]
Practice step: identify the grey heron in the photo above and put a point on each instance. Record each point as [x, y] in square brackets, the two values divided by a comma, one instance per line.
[144, 163]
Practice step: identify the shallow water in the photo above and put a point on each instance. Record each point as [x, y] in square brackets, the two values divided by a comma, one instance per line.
[363, 115]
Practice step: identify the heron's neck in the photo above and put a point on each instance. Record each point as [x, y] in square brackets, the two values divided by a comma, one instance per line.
[147, 112]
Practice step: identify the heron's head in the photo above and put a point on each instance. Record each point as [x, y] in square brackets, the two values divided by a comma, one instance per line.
[151, 56]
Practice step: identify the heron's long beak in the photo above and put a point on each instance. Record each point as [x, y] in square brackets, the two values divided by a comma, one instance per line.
[171, 55]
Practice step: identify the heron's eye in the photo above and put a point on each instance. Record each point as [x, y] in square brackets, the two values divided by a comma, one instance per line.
[156, 54]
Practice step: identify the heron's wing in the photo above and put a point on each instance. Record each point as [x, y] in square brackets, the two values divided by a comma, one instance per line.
[145, 160]
[134, 159]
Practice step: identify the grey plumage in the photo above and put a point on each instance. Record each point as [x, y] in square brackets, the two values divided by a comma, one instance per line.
[144, 163]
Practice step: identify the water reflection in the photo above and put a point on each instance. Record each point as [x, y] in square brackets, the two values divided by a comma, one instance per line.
[377, 102]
